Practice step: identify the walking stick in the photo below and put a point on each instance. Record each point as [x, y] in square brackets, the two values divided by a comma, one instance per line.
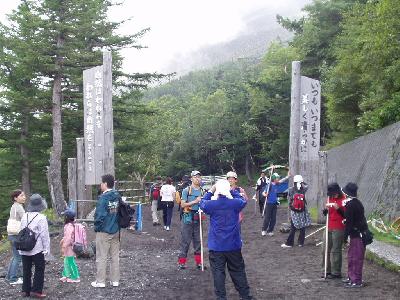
[201, 241]
[269, 187]
[326, 245]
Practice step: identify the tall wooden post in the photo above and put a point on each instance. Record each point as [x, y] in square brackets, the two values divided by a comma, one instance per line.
[80, 182]
[108, 115]
[294, 155]
[322, 183]
[72, 179]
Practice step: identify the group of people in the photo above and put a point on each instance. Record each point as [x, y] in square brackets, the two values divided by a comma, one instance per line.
[223, 203]
[345, 218]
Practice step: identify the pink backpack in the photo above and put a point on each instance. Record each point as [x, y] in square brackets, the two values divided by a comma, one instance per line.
[80, 242]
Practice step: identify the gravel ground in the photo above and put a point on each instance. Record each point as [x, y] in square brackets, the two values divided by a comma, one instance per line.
[149, 269]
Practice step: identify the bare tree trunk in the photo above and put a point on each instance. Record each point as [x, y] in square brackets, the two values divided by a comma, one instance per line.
[26, 171]
[248, 168]
[54, 176]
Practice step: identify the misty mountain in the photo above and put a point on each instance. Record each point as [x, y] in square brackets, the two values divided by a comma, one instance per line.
[260, 30]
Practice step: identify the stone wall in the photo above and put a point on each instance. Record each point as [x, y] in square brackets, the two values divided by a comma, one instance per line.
[373, 162]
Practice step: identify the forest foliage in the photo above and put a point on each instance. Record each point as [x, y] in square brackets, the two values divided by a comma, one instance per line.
[232, 116]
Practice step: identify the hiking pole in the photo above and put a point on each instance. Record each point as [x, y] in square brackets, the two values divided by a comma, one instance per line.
[326, 245]
[269, 187]
[201, 241]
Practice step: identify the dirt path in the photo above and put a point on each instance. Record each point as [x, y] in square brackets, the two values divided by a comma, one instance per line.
[149, 270]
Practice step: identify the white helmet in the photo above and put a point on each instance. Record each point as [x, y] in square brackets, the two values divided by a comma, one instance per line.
[231, 174]
[298, 178]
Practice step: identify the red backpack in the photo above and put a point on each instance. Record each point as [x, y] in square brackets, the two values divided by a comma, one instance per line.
[298, 202]
[156, 194]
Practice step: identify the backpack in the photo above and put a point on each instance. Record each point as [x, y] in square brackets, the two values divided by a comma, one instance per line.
[298, 202]
[80, 244]
[156, 193]
[26, 238]
[125, 214]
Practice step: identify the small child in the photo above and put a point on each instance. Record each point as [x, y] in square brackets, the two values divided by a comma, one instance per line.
[70, 272]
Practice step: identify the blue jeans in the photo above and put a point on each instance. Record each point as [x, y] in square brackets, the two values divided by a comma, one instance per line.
[15, 267]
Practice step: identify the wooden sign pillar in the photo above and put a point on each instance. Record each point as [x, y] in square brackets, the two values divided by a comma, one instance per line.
[304, 142]
[98, 121]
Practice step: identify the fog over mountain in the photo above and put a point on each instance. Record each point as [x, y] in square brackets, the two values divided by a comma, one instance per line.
[261, 28]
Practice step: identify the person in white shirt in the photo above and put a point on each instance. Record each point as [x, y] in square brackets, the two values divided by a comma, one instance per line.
[168, 193]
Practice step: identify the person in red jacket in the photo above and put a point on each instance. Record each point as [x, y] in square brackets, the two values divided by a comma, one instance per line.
[335, 208]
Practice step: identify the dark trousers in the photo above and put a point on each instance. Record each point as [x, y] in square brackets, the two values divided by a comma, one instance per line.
[302, 235]
[269, 217]
[38, 278]
[261, 201]
[236, 268]
[167, 215]
[355, 260]
[190, 233]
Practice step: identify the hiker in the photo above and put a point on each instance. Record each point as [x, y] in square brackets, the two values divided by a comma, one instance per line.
[299, 215]
[233, 179]
[154, 194]
[334, 208]
[271, 196]
[37, 222]
[167, 199]
[354, 225]
[261, 183]
[107, 233]
[70, 272]
[190, 227]
[14, 271]
[224, 241]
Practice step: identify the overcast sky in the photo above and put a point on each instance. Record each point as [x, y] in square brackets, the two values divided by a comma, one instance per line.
[178, 27]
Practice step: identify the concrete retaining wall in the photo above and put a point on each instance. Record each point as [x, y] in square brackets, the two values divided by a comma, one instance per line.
[373, 162]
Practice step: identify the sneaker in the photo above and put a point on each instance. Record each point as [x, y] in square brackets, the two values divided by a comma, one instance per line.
[96, 284]
[354, 285]
[114, 283]
[263, 233]
[300, 245]
[285, 246]
[327, 275]
[199, 267]
[181, 266]
[270, 233]
[37, 295]
[18, 281]
[63, 279]
[346, 280]
[154, 223]
[167, 228]
[69, 280]
[24, 294]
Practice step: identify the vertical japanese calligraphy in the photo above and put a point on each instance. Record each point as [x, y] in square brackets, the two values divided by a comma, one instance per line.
[93, 124]
[310, 112]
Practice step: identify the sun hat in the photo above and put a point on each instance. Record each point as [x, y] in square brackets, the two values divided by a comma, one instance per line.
[222, 187]
[298, 178]
[36, 203]
[231, 174]
[351, 189]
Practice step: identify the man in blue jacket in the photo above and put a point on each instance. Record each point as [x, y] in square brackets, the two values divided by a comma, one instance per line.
[107, 233]
[224, 241]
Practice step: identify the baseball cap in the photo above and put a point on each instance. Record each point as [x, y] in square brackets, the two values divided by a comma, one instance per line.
[194, 173]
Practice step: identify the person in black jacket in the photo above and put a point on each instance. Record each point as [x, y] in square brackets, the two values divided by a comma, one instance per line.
[355, 224]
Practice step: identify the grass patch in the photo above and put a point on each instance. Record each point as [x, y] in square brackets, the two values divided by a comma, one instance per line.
[382, 262]
[314, 214]
[384, 237]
